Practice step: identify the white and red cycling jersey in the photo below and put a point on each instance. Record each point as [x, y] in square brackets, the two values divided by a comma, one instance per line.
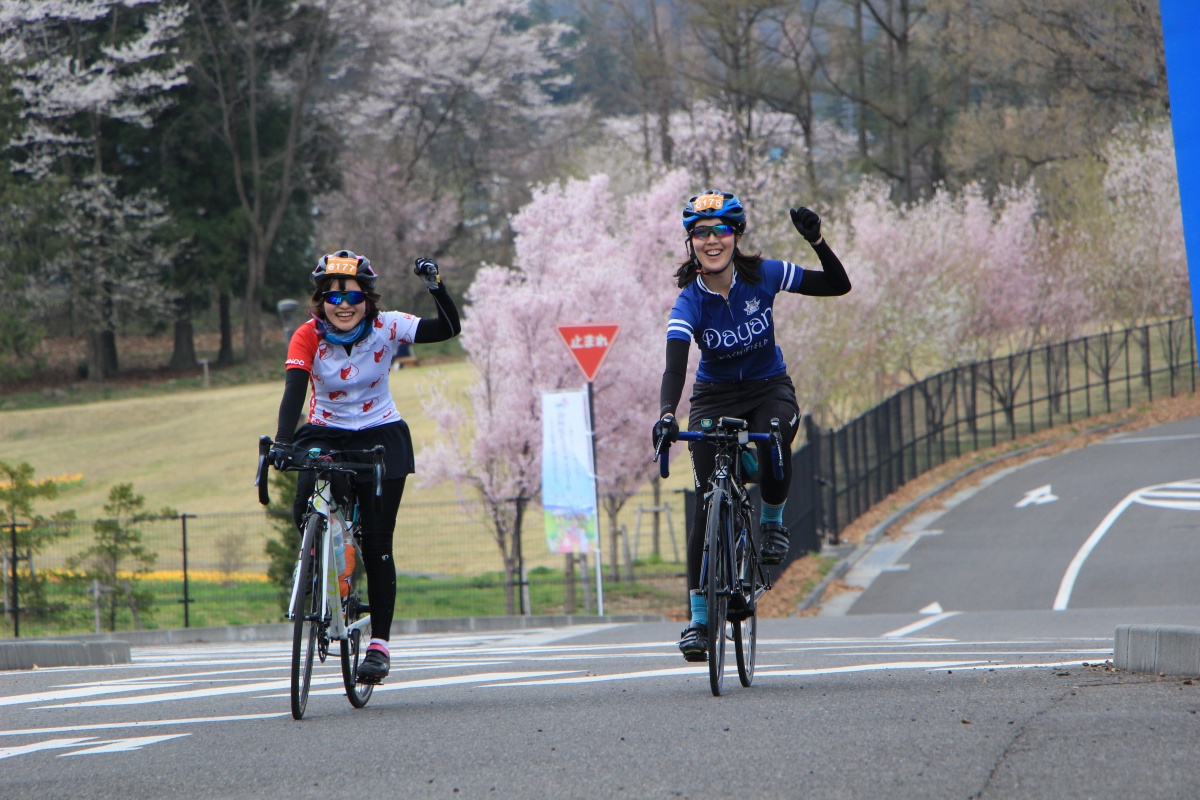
[350, 391]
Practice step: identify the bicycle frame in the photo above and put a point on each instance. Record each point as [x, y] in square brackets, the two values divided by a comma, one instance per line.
[322, 503]
[725, 488]
[731, 578]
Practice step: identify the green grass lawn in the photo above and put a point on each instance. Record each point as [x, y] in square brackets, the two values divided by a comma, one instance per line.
[193, 450]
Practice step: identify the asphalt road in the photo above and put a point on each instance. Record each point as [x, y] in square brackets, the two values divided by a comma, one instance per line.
[949, 675]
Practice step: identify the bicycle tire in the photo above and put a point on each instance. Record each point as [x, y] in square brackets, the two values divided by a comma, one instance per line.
[716, 591]
[352, 649]
[306, 614]
[745, 630]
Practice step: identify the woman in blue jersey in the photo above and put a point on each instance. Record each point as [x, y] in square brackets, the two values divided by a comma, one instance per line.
[725, 306]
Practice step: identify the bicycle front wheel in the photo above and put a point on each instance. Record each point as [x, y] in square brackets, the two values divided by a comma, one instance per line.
[745, 629]
[352, 650]
[307, 613]
[745, 640]
[719, 534]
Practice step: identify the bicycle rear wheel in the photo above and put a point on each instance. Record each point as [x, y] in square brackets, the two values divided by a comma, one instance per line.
[745, 629]
[307, 613]
[717, 589]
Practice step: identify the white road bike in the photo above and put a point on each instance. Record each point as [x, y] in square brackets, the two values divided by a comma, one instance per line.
[317, 609]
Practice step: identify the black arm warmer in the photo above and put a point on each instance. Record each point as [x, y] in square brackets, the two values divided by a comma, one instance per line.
[832, 282]
[294, 388]
[673, 376]
[446, 326]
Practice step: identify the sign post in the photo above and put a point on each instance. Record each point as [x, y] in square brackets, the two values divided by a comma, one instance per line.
[589, 344]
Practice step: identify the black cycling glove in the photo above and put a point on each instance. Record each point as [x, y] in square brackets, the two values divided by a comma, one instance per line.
[668, 427]
[808, 223]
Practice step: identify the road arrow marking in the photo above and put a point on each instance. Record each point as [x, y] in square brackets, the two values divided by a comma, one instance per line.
[933, 608]
[1038, 496]
[124, 745]
[49, 744]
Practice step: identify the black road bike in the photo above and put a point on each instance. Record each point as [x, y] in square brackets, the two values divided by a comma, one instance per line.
[319, 613]
[732, 577]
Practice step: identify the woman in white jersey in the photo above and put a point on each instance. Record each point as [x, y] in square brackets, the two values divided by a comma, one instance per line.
[342, 357]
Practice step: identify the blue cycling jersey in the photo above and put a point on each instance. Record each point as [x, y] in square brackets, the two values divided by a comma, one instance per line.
[736, 336]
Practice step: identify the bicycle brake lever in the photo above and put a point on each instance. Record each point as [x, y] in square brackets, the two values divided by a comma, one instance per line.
[260, 477]
[377, 470]
[777, 447]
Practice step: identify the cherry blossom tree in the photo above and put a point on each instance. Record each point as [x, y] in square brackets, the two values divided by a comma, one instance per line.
[583, 255]
[441, 106]
[78, 67]
[79, 63]
[958, 277]
[263, 67]
[114, 263]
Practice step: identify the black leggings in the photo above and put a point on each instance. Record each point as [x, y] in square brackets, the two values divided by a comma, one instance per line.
[378, 527]
[758, 403]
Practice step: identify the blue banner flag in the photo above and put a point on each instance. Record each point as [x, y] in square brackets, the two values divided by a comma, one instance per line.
[568, 480]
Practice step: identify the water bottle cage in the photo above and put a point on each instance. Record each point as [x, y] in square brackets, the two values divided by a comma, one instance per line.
[748, 461]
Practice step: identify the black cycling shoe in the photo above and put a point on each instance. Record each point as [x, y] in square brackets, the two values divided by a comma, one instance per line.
[374, 666]
[693, 643]
[774, 543]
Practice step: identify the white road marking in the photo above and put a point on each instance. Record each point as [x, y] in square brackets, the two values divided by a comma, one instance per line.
[1167, 495]
[124, 745]
[453, 680]
[933, 608]
[150, 723]
[1041, 665]
[920, 625]
[1148, 439]
[194, 694]
[1037, 497]
[65, 694]
[703, 670]
[49, 744]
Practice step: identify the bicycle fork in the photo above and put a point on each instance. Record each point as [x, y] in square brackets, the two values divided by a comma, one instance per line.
[323, 504]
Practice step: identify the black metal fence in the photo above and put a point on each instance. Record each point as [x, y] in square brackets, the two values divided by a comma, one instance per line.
[839, 474]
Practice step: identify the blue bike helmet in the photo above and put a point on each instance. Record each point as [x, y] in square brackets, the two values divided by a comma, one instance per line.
[715, 204]
[346, 264]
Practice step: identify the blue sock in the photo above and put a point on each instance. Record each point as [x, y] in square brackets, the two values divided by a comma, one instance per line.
[699, 608]
[771, 513]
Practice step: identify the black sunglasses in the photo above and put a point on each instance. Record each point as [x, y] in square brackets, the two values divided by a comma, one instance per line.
[701, 232]
[352, 297]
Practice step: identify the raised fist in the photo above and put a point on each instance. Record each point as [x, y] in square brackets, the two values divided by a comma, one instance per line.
[808, 223]
[427, 270]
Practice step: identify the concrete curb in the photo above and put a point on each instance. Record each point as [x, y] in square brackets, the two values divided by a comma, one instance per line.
[1157, 649]
[94, 649]
[846, 563]
[46, 653]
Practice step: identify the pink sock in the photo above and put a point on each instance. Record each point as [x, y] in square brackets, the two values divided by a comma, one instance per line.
[379, 644]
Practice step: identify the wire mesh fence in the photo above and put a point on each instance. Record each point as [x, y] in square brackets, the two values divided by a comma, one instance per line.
[212, 569]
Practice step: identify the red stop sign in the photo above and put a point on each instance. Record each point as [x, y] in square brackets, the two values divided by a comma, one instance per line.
[589, 344]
